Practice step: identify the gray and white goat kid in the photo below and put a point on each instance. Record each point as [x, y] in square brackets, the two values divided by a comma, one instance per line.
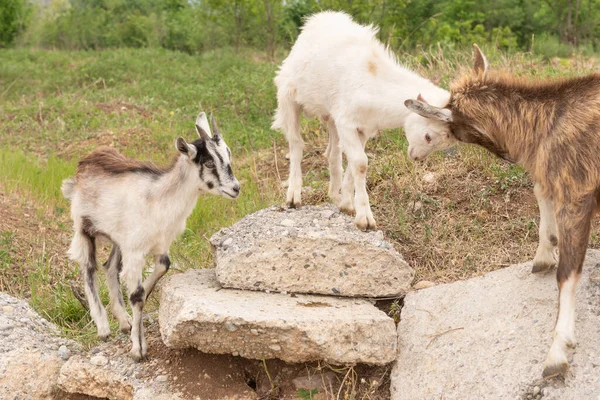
[141, 209]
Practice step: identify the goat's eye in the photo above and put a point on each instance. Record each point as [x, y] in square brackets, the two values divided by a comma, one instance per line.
[428, 138]
[209, 164]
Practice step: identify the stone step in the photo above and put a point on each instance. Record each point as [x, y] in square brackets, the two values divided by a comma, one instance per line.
[488, 337]
[315, 249]
[196, 312]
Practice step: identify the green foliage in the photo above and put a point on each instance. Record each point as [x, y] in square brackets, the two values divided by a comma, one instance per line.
[198, 26]
[13, 18]
[307, 394]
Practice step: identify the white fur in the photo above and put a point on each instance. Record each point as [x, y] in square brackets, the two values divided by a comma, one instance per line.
[141, 214]
[337, 70]
[564, 332]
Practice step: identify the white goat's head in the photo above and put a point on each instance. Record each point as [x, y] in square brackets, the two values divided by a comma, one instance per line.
[212, 158]
[426, 135]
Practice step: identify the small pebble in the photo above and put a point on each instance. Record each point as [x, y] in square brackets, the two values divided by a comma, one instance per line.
[254, 332]
[275, 347]
[8, 309]
[287, 222]
[64, 352]
[230, 327]
[429, 177]
[536, 390]
[161, 378]
[423, 285]
[417, 205]
[99, 360]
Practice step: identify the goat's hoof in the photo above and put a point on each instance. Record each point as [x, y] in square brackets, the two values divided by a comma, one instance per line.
[137, 356]
[104, 338]
[293, 204]
[347, 209]
[541, 267]
[126, 329]
[366, 224]
[554, 370]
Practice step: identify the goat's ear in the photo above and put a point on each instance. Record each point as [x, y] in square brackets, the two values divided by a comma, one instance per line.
[480, 65]
[429, 111]
[215, 128]
[421, 98]
[185, 148]
[202, 126]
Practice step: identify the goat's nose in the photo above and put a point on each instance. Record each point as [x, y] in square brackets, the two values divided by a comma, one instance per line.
[236, 188]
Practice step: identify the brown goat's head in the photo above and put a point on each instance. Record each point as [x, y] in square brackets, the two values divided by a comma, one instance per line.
[462, 128]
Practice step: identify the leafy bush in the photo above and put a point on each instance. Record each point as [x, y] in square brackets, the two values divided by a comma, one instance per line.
[13, 18]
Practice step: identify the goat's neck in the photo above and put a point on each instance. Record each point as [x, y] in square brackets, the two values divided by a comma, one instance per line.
[397, 84]
[177, 190]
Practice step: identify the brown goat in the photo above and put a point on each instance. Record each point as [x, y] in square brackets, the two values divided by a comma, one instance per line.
[552, 129]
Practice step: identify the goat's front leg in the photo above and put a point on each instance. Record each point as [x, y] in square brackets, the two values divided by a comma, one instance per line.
[544, 257]
[162, 262]
[113, 268]
[354, 148]
[133, 265]
[574, 221]
[334, 153]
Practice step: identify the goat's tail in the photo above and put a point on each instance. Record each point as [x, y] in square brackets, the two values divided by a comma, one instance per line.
[68, 188]
[287, 116]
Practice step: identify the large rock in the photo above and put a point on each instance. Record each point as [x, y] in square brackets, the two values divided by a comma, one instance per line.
[487, 338]
[196, 312]
[79, 375]
[310, 250]
[29, 356]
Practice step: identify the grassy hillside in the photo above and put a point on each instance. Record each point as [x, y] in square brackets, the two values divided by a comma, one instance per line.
[459, 214]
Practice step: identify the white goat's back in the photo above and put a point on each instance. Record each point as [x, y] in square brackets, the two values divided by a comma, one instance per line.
[339, 68]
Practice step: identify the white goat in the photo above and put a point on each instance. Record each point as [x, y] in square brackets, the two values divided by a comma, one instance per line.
[141, 209]
[337, 70]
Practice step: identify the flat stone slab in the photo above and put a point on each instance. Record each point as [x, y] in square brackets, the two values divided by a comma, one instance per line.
[487, 338]
[315, 249]
[196, 312]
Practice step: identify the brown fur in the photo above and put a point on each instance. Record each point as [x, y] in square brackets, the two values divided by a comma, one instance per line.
[552, 128]
[108, 161]
[372, 67]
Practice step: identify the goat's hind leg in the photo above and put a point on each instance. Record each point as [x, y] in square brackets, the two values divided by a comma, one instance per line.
[113, 267]
[162, 262]
[133, 265]
[548, 238]
[287, 118]
[83, 250]
[334, 153]
[574, 230]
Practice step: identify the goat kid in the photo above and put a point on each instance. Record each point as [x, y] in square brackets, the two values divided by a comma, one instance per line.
[337, 70]
[552, 129]
[141, 209]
